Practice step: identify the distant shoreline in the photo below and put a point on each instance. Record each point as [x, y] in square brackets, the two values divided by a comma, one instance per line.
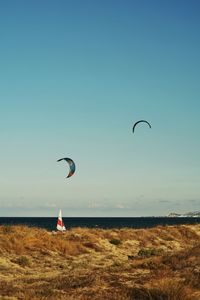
[49, 223]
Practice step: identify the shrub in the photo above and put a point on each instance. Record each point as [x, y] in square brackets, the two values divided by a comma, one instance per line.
[115, 242]
[7, 229]
[147, 252]
[167, 290]
[23, 261]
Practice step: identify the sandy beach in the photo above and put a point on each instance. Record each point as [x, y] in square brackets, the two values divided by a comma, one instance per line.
[82, 263]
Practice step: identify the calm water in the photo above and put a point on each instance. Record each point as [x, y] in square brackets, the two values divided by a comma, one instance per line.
[140, 222]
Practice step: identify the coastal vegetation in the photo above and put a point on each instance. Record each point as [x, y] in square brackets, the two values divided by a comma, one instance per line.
[161, 263]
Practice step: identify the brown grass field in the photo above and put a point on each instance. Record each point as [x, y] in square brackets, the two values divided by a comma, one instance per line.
[161, 263]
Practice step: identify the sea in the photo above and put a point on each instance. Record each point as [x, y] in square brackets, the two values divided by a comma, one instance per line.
[99, 222]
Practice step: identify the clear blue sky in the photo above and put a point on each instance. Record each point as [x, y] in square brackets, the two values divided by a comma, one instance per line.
[74, 77]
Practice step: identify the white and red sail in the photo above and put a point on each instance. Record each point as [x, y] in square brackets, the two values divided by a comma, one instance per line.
[60, 223]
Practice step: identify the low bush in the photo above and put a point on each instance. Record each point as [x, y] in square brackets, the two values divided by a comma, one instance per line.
[7, 229]
[115, 242]
[23, 261]
[147, 252]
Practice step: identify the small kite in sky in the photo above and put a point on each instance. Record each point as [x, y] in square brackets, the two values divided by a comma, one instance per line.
[72, 166]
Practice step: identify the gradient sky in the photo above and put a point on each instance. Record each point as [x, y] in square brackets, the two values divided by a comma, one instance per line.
[74, 77]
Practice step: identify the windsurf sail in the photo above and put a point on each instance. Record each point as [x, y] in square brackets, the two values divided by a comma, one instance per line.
[60, 223]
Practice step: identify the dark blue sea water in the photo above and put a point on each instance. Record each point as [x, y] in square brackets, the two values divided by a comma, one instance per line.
[140, 222]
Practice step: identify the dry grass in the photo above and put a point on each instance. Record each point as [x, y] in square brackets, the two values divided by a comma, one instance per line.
[161, 263]
[22, 240]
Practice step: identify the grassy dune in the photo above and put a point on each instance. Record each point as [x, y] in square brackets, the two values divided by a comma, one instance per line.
[161, 263]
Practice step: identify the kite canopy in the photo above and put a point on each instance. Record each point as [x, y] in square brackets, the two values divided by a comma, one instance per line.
[71, 165]
[140, 122]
